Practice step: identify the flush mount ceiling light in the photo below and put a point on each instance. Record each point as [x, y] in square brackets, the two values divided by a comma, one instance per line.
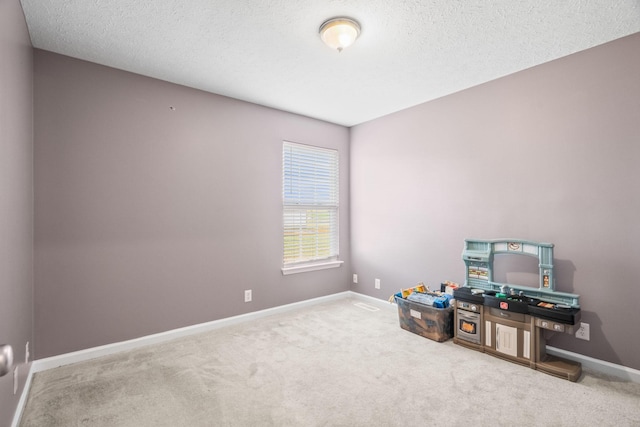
[338, 33]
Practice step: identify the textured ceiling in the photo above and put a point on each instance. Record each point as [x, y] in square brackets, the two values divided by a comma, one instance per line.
[269, 52]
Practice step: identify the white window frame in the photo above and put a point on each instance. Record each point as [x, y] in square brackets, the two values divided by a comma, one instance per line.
[310, 189]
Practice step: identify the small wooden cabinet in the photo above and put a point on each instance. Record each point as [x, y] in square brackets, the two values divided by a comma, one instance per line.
[509, 335]
[507, 340]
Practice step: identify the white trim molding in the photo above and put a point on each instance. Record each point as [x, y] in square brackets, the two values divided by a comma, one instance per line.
[105, 350]
[311, 267]
[40, 365]
[23, 398]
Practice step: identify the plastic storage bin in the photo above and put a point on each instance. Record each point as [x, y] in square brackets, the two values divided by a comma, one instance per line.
[429, 322]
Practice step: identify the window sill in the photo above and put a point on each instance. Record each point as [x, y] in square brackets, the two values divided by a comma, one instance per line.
[311, 267]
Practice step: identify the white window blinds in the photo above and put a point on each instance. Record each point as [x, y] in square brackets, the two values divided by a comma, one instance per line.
[310, 204]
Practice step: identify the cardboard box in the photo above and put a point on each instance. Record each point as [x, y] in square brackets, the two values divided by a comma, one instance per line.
[429, 322]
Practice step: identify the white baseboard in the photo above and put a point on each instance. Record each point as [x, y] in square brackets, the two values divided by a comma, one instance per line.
[108, 349]
[91, 353]
[372, 300]
[23, 398]
[39, 365]
[597, 365]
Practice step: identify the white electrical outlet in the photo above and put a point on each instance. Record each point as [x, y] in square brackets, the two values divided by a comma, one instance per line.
[355, 278]
[247, 295]
[377, 283]
[26, 353]
[583, 331]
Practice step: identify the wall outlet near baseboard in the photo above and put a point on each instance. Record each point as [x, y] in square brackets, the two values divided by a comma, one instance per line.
[355, 278]
[26, 353]
[377, 283]
[247, 295]
[583, 331]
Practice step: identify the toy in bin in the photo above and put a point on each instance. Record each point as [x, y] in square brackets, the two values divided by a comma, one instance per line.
[423, 295]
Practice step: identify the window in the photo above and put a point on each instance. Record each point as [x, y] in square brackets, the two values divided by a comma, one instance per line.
[310, 208]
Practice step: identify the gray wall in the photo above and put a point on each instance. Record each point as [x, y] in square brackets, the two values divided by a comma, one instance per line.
[16, 197]
[548, 154]
[149, 219]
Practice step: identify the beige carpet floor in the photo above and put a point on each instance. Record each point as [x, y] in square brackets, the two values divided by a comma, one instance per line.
[333, 364]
